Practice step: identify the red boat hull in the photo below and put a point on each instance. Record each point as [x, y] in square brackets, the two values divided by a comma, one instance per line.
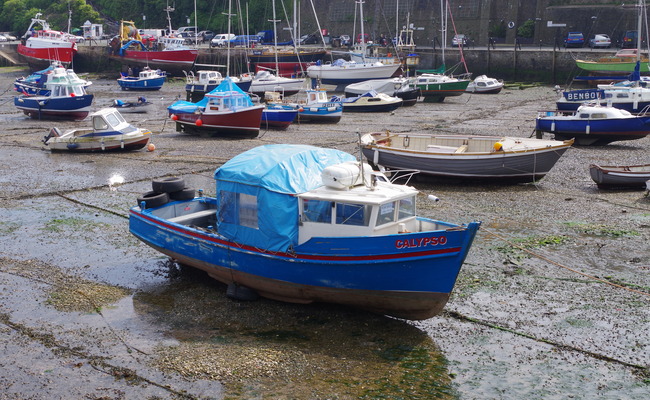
[172, 60]
[241, 123]
[46, 55]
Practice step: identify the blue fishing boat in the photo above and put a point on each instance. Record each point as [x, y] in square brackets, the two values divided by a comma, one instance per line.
[593, 124]
[67, 98]
[34, 84]
[303, 224]
[278, 116]
[318, 108]
[147, 79]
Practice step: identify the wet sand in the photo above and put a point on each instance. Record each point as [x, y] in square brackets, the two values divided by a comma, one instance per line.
[552, 302]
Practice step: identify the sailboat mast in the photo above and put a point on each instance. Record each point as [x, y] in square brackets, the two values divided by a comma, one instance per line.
[638, 31]
[228, 44]
[363, 37]
[275, 39]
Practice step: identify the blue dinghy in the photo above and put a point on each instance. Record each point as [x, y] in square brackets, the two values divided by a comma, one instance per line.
[304, 224]
[147, 79]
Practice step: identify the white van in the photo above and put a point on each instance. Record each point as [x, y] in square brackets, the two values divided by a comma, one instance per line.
[221, 39]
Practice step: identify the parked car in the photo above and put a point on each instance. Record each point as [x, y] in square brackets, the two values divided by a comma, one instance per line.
[312, 38]
[221, 39]
[245, 40]
[629, 39]
[3, 38]
[574, 39]
[9, 36]
[205, 36]
[600, 40]
[459, 40]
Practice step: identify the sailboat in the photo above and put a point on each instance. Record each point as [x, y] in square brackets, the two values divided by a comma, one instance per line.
[625, 59]
[342, 72]
[435, 85]
[265, 81]
[288, 61]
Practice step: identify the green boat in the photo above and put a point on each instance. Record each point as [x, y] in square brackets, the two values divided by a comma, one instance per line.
[622, 61]
[435, 87]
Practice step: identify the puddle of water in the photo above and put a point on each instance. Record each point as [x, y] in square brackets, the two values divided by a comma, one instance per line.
[292, 351]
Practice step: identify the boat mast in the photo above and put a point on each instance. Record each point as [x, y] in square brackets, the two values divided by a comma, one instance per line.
[228, 44]
[275, 40]
[169, 18]
[363, 38]
[638, 30]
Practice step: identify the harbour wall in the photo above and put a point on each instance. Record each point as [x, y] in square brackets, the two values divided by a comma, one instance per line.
[528, 64]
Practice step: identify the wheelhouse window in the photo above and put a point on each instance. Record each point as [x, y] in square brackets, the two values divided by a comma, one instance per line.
[238, 209]
[352, 214]
[406, 208]
[317, 211]
[386, 213]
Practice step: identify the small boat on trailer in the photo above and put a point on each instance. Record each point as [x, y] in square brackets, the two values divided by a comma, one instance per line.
[593, 124]
[109, 132]
[620, 176]
[497, 159]
[310, 224]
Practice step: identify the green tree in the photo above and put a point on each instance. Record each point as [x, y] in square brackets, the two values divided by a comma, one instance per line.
[527, 30]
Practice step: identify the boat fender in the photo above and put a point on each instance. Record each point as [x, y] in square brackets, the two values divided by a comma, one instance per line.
[375, 157]
[433, 198]
[199, 122]
[402, 228]
[498, 146]
[174, 117]
[553, 126]
[588, 129]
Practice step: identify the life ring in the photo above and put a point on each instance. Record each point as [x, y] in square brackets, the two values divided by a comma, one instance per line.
[511, 24]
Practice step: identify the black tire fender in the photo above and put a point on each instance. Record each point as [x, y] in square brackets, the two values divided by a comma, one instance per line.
[183, 194]
[153, 199]
[168, 185]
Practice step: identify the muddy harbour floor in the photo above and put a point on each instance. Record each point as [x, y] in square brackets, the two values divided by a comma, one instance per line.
[552, 302]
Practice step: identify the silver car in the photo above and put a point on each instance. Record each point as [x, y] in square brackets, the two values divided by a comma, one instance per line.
[600, 40]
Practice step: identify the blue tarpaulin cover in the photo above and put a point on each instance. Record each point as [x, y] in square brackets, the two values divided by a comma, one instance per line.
[273, 174]
[226, 87]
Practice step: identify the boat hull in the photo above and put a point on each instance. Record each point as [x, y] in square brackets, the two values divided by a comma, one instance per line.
[278, 118]
[43, 56]
[620, 177]
[437, 92]
[370, 107]
[141, 84]
[325, 115]
[612, 66]
[242, 123]
[397, 278]
[172, 61]
[525, 165]
[333, 75]
[99, 144]
[596, 132]
[72, 108]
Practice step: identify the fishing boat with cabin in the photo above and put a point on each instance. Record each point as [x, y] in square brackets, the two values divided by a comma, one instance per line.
[309, 224]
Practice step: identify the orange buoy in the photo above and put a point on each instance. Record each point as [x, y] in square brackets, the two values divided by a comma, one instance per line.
[151, 147]
[199, 122]
[174, 117]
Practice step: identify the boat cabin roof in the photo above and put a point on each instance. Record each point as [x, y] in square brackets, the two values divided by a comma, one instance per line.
[601, 112]
[108, 119]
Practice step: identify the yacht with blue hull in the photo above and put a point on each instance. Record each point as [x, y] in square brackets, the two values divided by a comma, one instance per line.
[308, 224]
